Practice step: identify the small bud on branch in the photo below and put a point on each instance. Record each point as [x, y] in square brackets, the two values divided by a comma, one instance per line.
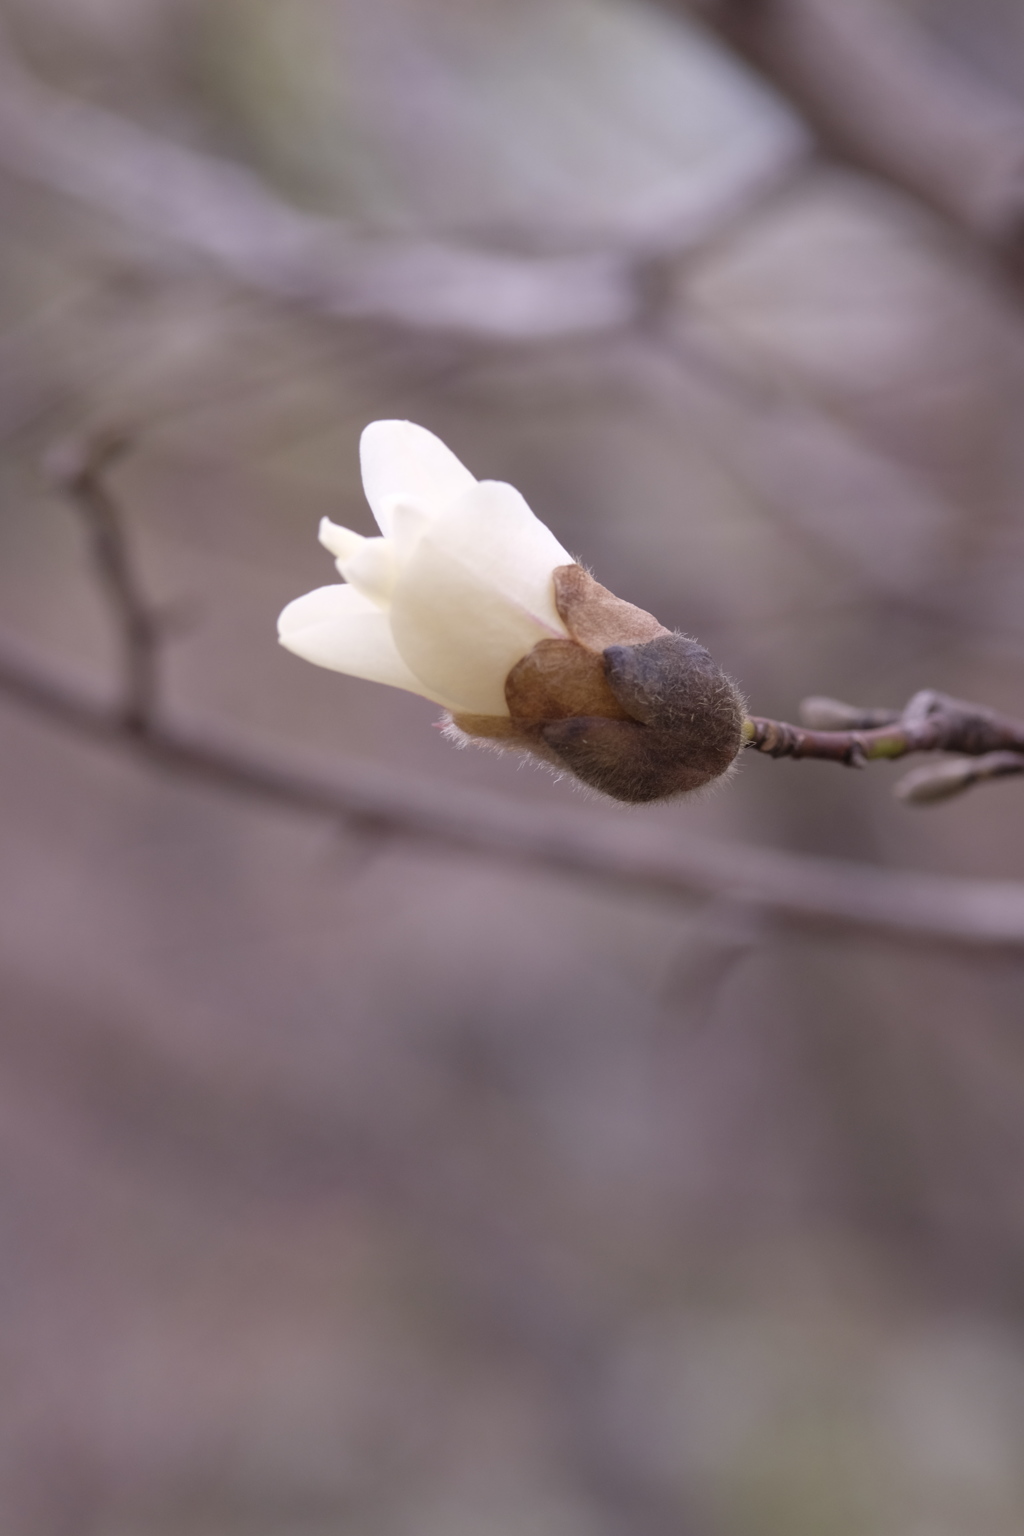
[941, 781]
[822, 714]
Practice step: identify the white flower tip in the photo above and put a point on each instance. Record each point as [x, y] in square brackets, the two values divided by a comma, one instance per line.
[391, 453]
[341, 542]
[399, 458]
[286, 622]
[301, 612]
[289, 627]
[394, 437]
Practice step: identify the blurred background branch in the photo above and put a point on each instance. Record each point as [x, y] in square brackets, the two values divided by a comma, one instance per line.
[203, 207]
[208, 208]
[801, 890]
[883, 94]
[80, 469]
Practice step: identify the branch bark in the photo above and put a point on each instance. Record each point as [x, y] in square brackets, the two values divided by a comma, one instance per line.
[931, 722]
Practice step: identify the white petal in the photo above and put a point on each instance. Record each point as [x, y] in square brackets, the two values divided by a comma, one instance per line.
[475, 594]
[372, 570]
[341, 542]
[401, 459]
[408, 521]
[338, 627]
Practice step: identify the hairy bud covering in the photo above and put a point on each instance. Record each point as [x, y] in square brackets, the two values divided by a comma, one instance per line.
[627, 706]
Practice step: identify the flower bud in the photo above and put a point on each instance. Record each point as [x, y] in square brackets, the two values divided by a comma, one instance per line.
[624, 704]
[469, 600]
[933, 782]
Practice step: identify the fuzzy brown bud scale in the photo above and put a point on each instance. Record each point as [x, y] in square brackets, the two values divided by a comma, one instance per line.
[631, 708]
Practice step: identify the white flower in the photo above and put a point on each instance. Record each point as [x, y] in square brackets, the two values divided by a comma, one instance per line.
[467, 599]
[455, 592]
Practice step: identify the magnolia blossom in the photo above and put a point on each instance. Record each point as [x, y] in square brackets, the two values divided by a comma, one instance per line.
[454, 592]
[468, 599]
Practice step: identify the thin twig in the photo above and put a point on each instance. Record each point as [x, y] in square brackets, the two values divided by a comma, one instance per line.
[931, 722]
[79, 468]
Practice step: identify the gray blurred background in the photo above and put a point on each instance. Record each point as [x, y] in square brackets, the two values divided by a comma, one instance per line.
[348, 1186]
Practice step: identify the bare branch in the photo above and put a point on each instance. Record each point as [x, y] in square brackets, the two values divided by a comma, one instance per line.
[931, 722]
[884, 94]
[79, 468]
[213, 209]
[220, 212]
[620, 854]
[792, 889]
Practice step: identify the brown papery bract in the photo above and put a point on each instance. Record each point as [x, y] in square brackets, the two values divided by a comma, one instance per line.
[624, 704]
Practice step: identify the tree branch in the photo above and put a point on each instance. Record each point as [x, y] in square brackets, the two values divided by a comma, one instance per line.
[213, 209]
[931, 722]
[791, 889]
[619, 854]
[878, 89]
